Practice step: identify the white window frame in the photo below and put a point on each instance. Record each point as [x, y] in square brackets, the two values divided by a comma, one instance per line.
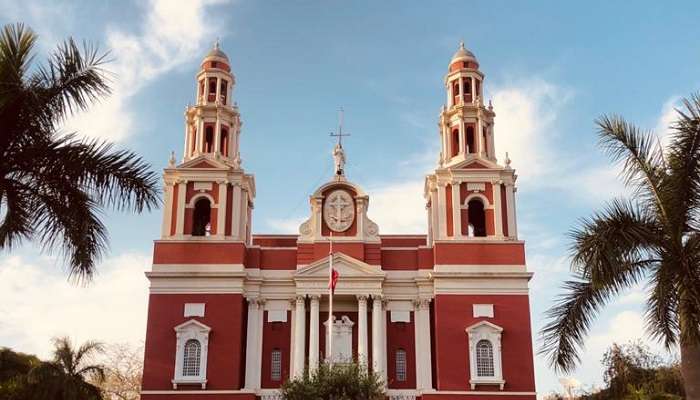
[184, 332]
[485, 330]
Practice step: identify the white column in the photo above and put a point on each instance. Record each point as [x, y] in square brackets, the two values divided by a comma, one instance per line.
[510, 204]
[442, 215]
[217, 134]
[362, 329]
[218, 89]
[236, 211]
[181, 204]
[424, 379]
[253, 342]
[383, 337]
[199, 136]
[377, 355]
[221, 209]
[313, 333]
[167, 209]
[456, 210]
[299, 336]
[497, 216]
[462, 138]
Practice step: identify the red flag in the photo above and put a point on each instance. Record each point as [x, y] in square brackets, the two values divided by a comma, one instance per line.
[334, 280]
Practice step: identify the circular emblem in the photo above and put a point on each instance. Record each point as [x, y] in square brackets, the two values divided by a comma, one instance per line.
[339, 211]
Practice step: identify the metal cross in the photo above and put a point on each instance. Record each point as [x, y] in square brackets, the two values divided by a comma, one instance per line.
[340, 133]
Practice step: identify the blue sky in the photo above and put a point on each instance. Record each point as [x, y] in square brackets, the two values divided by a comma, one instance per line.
[551, 69]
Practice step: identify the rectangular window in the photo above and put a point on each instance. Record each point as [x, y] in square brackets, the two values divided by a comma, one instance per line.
[276, 360]
[401, 365]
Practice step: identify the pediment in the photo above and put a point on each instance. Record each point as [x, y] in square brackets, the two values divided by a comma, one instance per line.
[484, 326]
[476, 163]
[347, 267]
[203, 162]
[192, 324]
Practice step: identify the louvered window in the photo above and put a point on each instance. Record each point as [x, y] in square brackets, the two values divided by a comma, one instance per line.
[191, 359]
[401, 365]
[276, 369]
[484, 359]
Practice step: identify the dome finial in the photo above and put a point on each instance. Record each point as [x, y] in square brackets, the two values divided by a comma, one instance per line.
[461, 44]
[216, 44]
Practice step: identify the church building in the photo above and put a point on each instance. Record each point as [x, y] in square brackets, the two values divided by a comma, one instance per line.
[232, 314]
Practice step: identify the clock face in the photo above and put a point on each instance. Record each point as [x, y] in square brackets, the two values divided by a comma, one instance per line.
[339, 211]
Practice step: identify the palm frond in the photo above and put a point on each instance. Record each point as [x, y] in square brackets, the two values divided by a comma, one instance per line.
[662, 304]
[684, 165]
[72, 81]
[643, 163]
[610, 252]
[16, 225]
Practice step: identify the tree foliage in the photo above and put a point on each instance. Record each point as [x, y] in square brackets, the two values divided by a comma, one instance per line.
[66, 377]
[54, 185]
[651, 237]
[633, 372]
[338, 382]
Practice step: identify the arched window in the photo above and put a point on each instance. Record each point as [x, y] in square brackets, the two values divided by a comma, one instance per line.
[211, 96]
[276, 360]
[223, 91]
[201, 217]
[191, 358]
[455, 142]
[223, 145]
[401, 365]
[208, 139]
[484, 141]
[455, 92]
[484, 359]
[477, 217]
[471, 148]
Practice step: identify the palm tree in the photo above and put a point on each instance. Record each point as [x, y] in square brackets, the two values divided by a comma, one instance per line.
[651, 237]
[53, 186]
[69, 375]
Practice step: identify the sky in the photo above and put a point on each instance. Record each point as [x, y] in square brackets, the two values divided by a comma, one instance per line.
[551, 69]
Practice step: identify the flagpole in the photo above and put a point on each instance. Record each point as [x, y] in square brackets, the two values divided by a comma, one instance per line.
[330, 302]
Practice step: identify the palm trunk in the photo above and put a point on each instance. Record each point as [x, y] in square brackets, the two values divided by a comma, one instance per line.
[690, 369]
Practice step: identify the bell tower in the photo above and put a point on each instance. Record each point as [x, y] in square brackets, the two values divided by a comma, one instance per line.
[469, 196]
[208, 196]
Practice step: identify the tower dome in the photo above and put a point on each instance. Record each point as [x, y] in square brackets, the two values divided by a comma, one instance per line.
[216, 58]
[465, 57]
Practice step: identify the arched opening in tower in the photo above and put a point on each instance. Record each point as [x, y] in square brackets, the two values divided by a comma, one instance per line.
[201, 218]
[208, 139]
[471, 148]
[467, 89]
[477, 218]
[455, 93]
[455, 143]
[484, 140]
[223, 91]
[211, 96]
[223, 145]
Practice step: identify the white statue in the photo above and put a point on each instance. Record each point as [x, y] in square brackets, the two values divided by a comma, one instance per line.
[339, 159]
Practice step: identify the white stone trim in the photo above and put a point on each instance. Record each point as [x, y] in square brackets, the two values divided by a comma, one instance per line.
[253, 336]
[497, 212]
[221, 212]
[197, 196]
[167, 210]
[482, 310]
[181, 195]
[485, 330]
[195, 330]
[194, 310]
[424, 378]
[480, 196]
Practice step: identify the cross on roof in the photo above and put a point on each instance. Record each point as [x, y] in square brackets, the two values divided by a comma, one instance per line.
[340, 134]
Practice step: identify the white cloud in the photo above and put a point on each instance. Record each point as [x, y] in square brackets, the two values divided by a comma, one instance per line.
[171, 34]
[37, 303]
[524, 127]
[398, 207]
[667, 117]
